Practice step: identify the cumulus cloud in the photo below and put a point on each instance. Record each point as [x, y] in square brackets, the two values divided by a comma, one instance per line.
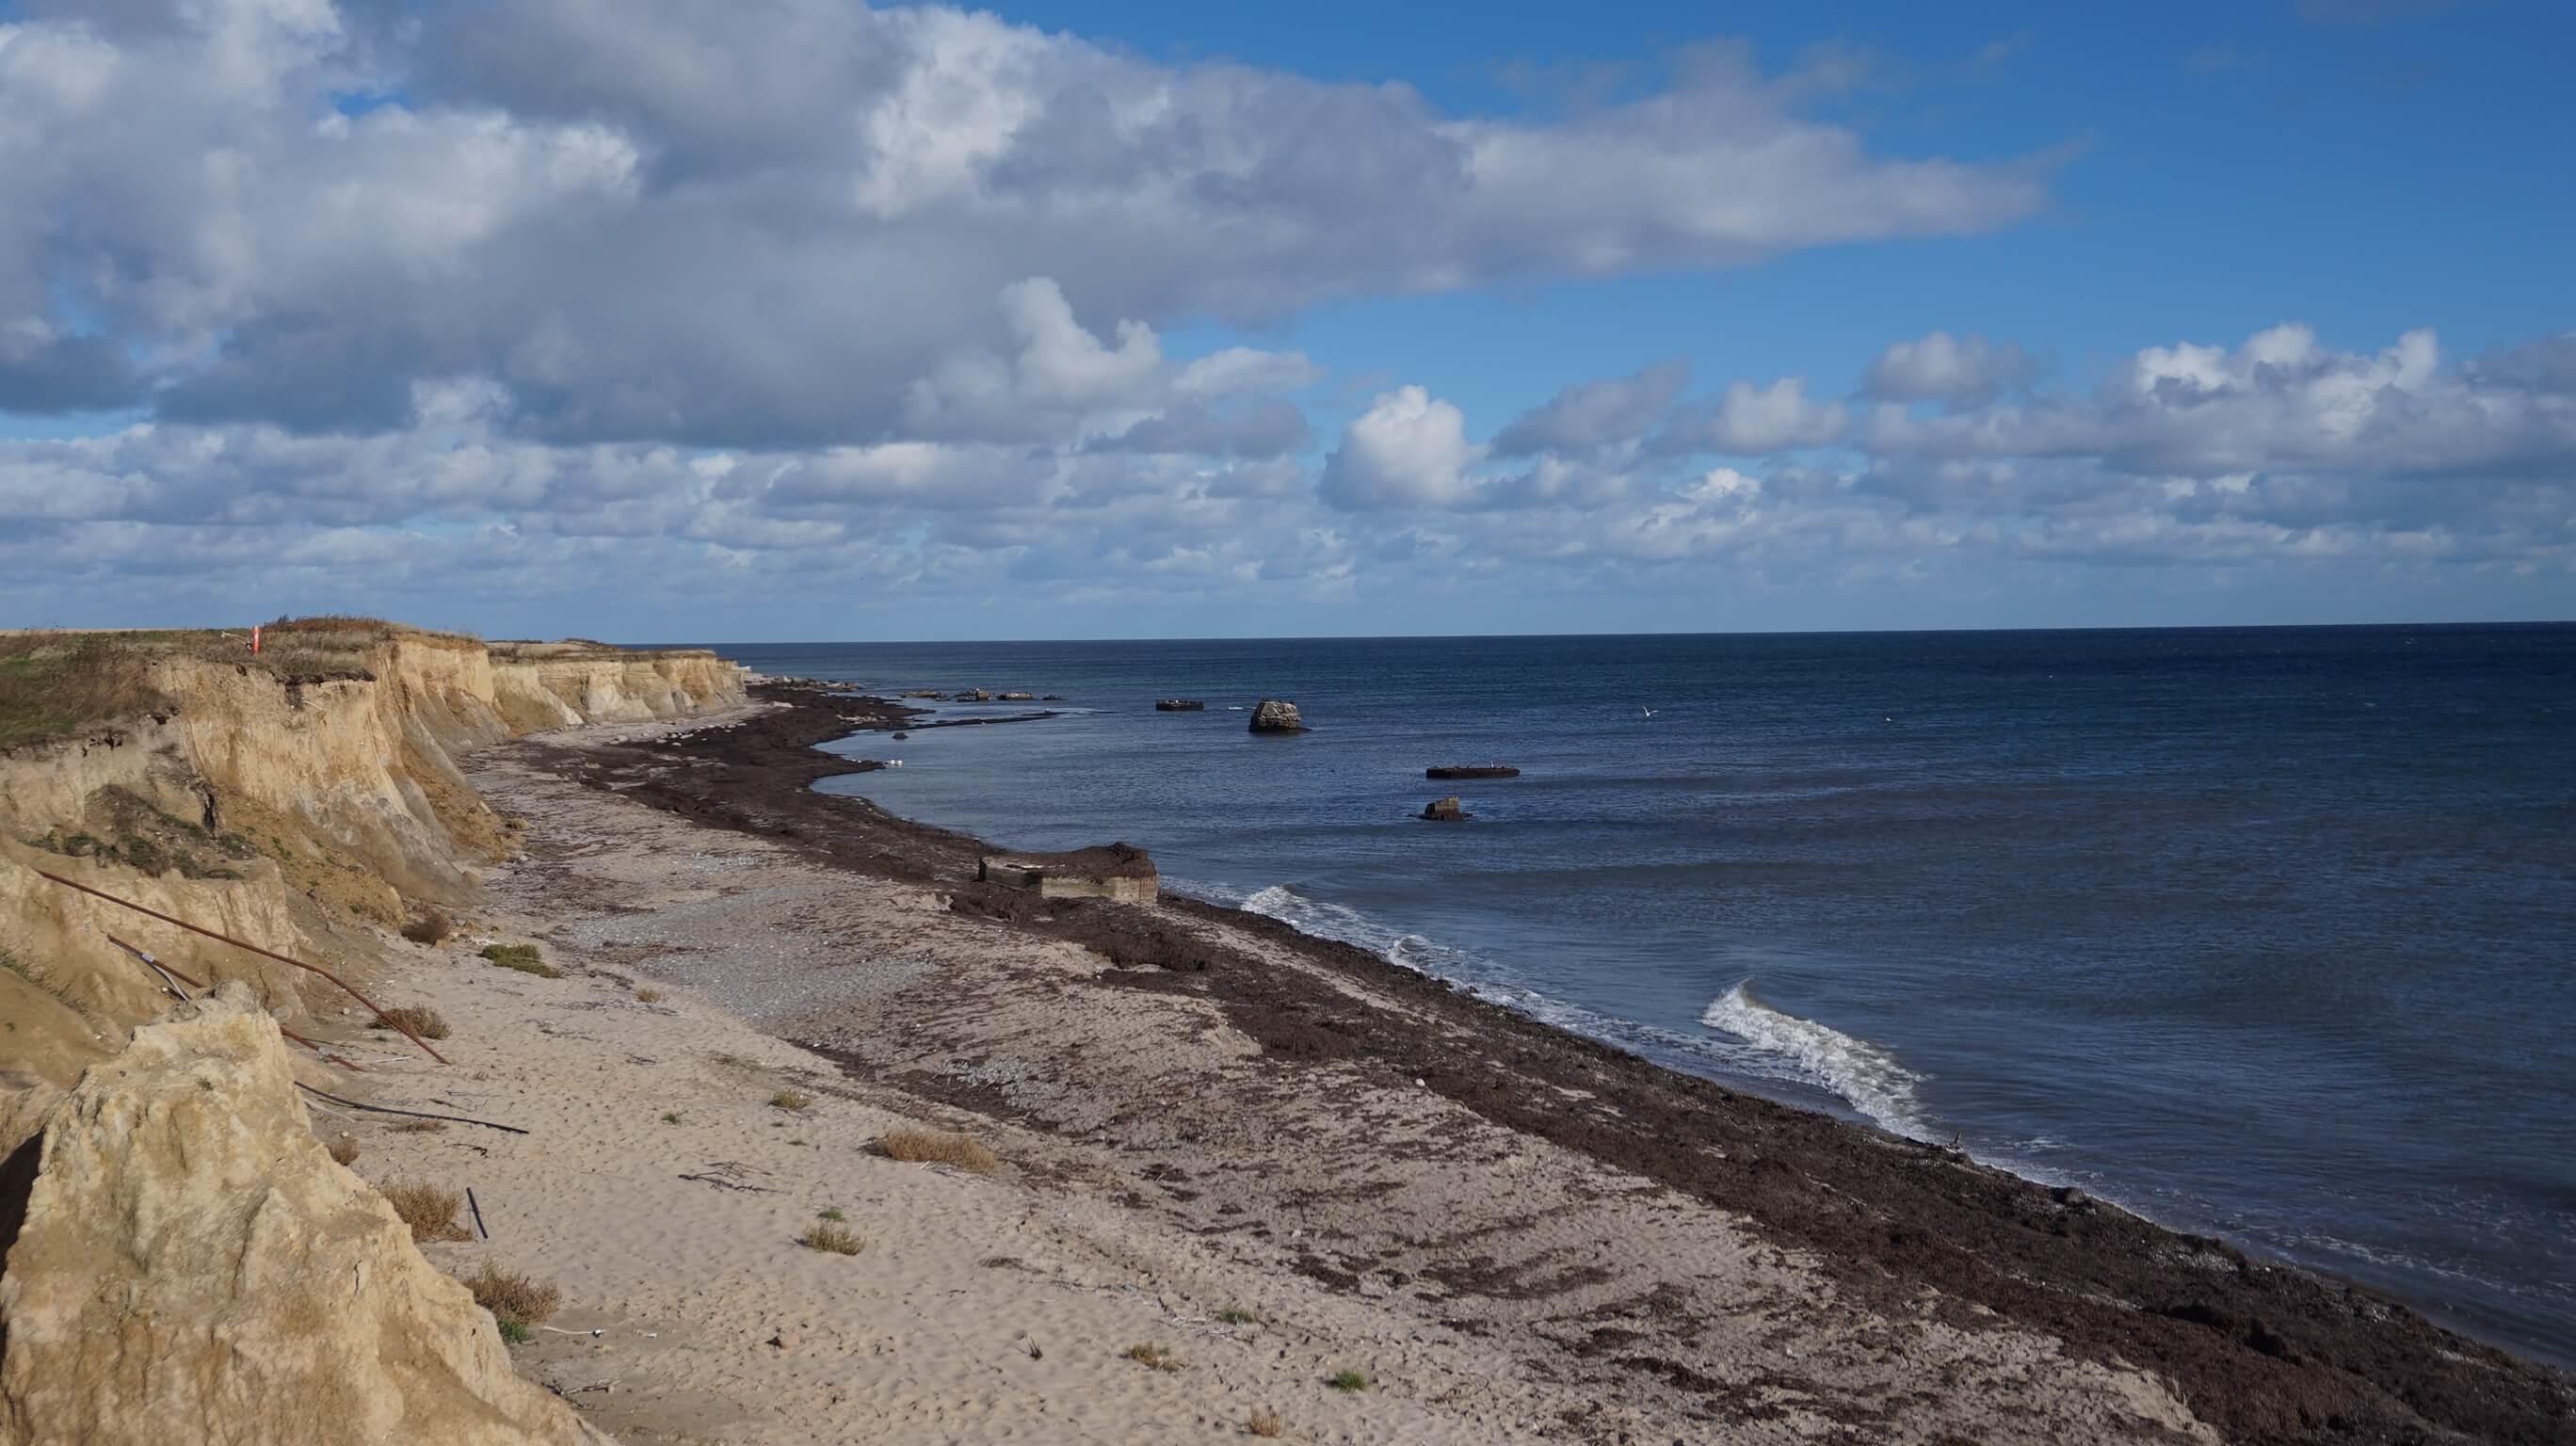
[1408, 450]
[1752, 421]
[1941, 367]
[1592, 415]
[762, 226]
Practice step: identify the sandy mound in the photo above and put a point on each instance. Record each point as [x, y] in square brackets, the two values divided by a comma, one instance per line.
[192, 1258]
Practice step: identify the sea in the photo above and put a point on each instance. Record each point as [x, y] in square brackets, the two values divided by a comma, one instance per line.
[2268, 933]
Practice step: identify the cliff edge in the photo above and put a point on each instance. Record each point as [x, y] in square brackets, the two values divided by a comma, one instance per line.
[191, 1260]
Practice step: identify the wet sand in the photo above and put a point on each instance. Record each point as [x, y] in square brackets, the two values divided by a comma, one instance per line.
[1648, 1255]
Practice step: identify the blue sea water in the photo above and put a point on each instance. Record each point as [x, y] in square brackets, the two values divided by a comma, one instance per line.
[2267, 932]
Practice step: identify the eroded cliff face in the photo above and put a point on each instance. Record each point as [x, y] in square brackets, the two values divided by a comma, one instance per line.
[257, 805]
[189, 1264]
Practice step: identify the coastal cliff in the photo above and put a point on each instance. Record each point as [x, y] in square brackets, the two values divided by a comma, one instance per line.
[267, 797]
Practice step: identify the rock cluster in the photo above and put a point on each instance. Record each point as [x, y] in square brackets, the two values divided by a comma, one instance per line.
[1277, 715]
[192, 1266]
[1179, 705]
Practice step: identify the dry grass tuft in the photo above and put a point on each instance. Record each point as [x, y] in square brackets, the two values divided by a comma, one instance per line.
[1157, 1356]
[1265, 1423]
[429, 927]
[420, 1019]
[513, 1297]
[648, 996]
[916, 1145]
[790, 1100]
[345, 1149]
[428, 1210]
[832, 1237]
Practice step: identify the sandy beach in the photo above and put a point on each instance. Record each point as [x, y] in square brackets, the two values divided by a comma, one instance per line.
[1234, 1164]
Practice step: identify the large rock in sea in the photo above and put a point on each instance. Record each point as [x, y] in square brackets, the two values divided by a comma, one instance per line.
[1277, 715]
[192, 1266]
[1445, 810]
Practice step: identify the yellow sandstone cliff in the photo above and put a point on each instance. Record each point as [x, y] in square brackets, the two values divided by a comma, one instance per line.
[267, 806]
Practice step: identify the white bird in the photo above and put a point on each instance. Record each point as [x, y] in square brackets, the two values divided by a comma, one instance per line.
[1649, 712]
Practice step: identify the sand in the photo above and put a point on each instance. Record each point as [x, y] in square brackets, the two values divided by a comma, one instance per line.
[1209, 1204]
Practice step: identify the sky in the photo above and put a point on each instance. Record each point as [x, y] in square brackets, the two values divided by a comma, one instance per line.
[805, 320]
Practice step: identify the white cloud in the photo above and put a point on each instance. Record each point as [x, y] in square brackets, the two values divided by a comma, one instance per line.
[1408, 450]
[1755, 421]
[759, 225]
[1941, 367]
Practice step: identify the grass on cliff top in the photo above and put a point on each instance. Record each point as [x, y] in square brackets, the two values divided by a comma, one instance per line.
[54, 684]
[513, 1298]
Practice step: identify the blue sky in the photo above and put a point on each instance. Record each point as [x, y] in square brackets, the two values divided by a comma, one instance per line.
[797, 319]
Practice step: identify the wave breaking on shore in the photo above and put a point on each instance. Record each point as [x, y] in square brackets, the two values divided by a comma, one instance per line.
[1750, 1039]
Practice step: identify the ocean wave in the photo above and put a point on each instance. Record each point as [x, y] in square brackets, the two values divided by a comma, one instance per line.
[1753, 1040]
[1864, 1075]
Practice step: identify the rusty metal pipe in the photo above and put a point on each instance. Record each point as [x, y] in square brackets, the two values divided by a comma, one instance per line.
[253, 948]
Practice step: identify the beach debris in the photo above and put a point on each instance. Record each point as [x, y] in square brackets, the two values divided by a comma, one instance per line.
[1445, 810]
[1121, 873]
[1471, 770]
[1179, 705]
[1277, 715]
[727, 1175]
[475, 1208]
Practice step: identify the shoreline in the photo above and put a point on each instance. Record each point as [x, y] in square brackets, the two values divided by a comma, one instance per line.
[2263, 1352]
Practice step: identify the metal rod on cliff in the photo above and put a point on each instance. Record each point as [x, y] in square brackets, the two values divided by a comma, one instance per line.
[168, 974]
[255, 949]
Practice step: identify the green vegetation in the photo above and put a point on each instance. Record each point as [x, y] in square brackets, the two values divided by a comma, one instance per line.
[1232, 1316]
[522, 957]
[515, 1333]
[790, 1100]
[832, 1214]
[1157, 1356]
[670, 1117]
[1347, 1381]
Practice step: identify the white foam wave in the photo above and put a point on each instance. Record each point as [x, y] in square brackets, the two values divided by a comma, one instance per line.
[1865, 1076]
[1496, 983]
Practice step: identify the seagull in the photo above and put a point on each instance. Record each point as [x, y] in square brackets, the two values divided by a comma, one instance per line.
[1649, 712]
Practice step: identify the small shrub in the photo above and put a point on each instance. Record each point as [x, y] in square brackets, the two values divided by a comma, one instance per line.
[1159, 1357]
[833, 1238]
[1347, 1381]
[145, 856]
[648, 996]
[916, 1145]
[831, 1213]
[790, 1100]
[430, 927]
[522, 957]
[1265, 1423]
[345, 1149]
[513, 1297]
[670, 1117]
[420, 1127]
[420, 1019]
[515, 1333]
[1231, 1316]
[428, 1210]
